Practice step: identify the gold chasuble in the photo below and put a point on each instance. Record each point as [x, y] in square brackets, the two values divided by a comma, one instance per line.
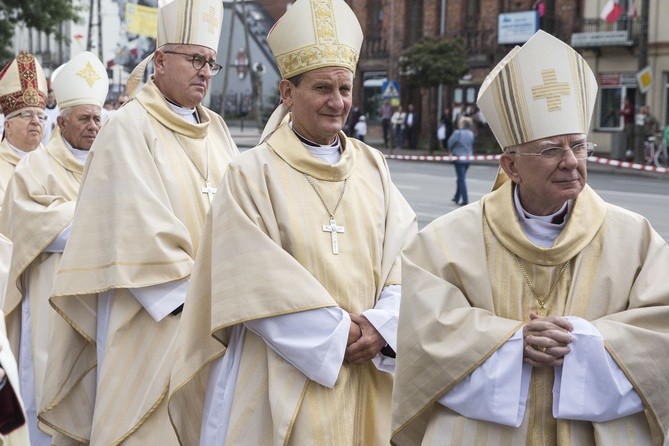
[137, 223]
[265, 252]
[39, 204]
[464, 295]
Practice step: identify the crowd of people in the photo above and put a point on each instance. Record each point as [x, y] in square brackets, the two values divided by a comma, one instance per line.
[163, 288]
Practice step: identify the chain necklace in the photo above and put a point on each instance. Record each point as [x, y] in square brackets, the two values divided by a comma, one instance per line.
[208, 188]
[542, 303]
[332, 228]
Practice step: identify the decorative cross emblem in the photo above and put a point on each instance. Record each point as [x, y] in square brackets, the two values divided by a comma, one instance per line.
[89, 74]
[211, 18]
[333, 229]
[209, 190]
[551, 90]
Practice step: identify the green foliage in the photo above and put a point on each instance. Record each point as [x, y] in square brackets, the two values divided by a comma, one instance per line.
[433, 62]
[42, 15]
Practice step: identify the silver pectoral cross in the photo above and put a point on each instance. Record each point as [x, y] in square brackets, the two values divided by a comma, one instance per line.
[333, 229]
[209, 190]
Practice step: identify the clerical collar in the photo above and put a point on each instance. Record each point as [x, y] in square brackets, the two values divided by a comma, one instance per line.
[542, 230]
[78, 154]
[18, 151]
[187, 114]
[329, 153]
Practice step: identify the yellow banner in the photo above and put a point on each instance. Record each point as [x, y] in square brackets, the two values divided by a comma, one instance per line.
[142, 20]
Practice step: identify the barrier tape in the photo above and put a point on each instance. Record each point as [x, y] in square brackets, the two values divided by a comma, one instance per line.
[592, 159]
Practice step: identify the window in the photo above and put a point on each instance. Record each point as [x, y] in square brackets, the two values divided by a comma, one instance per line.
[610, 103]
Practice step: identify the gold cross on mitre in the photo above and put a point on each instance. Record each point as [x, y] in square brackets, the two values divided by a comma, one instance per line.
[89, 74]
[551, 90]
[211, 18]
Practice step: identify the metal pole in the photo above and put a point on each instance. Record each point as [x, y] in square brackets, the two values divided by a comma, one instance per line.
[226, 65]
[89, 38]
[100, 31]
[442, 31]
[254, 92]
[643, 45]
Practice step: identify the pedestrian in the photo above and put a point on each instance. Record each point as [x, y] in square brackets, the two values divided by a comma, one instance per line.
[461, 144]
[22, 99]
[122, 280]
[290, 323]
[38, 208]
[386, 114]
[361, 128]
[519, 322]
[398, 121]
[349, 127]
[645, 126]
[627, 113]
[412, 127]
[445, 129]
[52, 111]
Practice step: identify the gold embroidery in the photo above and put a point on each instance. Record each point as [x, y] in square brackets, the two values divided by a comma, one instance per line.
[551, 90]
[88, 74]
[211, 18]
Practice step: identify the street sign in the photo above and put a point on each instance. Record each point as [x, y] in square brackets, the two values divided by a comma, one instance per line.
[645, 79]
[390, 90]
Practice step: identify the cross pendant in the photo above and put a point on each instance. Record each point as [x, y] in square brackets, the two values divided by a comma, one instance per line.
[333, 229]
[209, 190]
[541, 311]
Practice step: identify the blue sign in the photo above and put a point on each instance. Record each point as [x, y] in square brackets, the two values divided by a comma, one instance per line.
[390, 90]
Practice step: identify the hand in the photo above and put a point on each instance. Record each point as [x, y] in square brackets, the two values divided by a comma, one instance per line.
[368, 345]
[354, 333]
[546, 340]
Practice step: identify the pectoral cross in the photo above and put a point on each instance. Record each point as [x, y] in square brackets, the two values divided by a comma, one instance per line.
[209, 190]
[333, 229]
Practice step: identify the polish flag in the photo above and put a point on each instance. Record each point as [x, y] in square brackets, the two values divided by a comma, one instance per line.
[612, 10]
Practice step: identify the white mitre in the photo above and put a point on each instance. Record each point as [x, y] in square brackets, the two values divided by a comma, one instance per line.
[190, 22]
[81, 81]
[183, 22]
[314, 34]
[541, 89]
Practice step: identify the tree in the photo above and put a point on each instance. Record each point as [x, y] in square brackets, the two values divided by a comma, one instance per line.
[432, 62]
[42, 15]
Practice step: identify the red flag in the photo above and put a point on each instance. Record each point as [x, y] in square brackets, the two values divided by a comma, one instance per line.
[612, 10]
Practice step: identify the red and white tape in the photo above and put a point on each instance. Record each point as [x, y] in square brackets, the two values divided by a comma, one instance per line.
[592, 159]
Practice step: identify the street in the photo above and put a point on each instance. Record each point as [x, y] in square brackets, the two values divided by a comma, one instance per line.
[429, 187]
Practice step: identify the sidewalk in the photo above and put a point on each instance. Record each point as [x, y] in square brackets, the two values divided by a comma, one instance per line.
[249, 136]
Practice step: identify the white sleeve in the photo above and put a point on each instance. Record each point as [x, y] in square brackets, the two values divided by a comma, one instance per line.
[314, 341]
[162, 299]
[589, 385]
[58, 244]
[497, 390]
[384, 318]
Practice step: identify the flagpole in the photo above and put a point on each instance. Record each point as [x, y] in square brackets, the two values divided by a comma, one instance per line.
[643, 46]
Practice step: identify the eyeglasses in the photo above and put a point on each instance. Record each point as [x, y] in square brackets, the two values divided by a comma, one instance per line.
[199, 62]
[29, 116]
[581, 151]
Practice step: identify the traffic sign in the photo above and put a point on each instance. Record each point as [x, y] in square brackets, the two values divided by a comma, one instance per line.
[390, 90]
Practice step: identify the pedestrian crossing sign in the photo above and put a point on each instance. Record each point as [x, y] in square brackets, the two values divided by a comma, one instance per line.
[390, 90]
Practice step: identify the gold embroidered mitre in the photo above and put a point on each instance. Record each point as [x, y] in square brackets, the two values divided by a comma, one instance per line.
[22, 84]
[315, 34]
[81, 81]
[190, 22]
[541, 89]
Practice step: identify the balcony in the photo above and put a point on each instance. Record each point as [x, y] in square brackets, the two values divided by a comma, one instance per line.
[599, 33]
[480, 44]
[375, 47]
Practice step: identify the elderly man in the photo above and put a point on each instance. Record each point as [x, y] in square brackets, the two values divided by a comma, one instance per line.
[535, 315]
[123, 277]
[22, 99]
[37, 217]
[297, 280]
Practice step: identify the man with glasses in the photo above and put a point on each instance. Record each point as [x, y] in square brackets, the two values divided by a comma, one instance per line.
[23, 90]
[150, 178]
[538, 314]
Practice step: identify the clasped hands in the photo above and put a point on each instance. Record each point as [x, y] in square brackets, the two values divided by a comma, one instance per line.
[546, 340]
[364, 342]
